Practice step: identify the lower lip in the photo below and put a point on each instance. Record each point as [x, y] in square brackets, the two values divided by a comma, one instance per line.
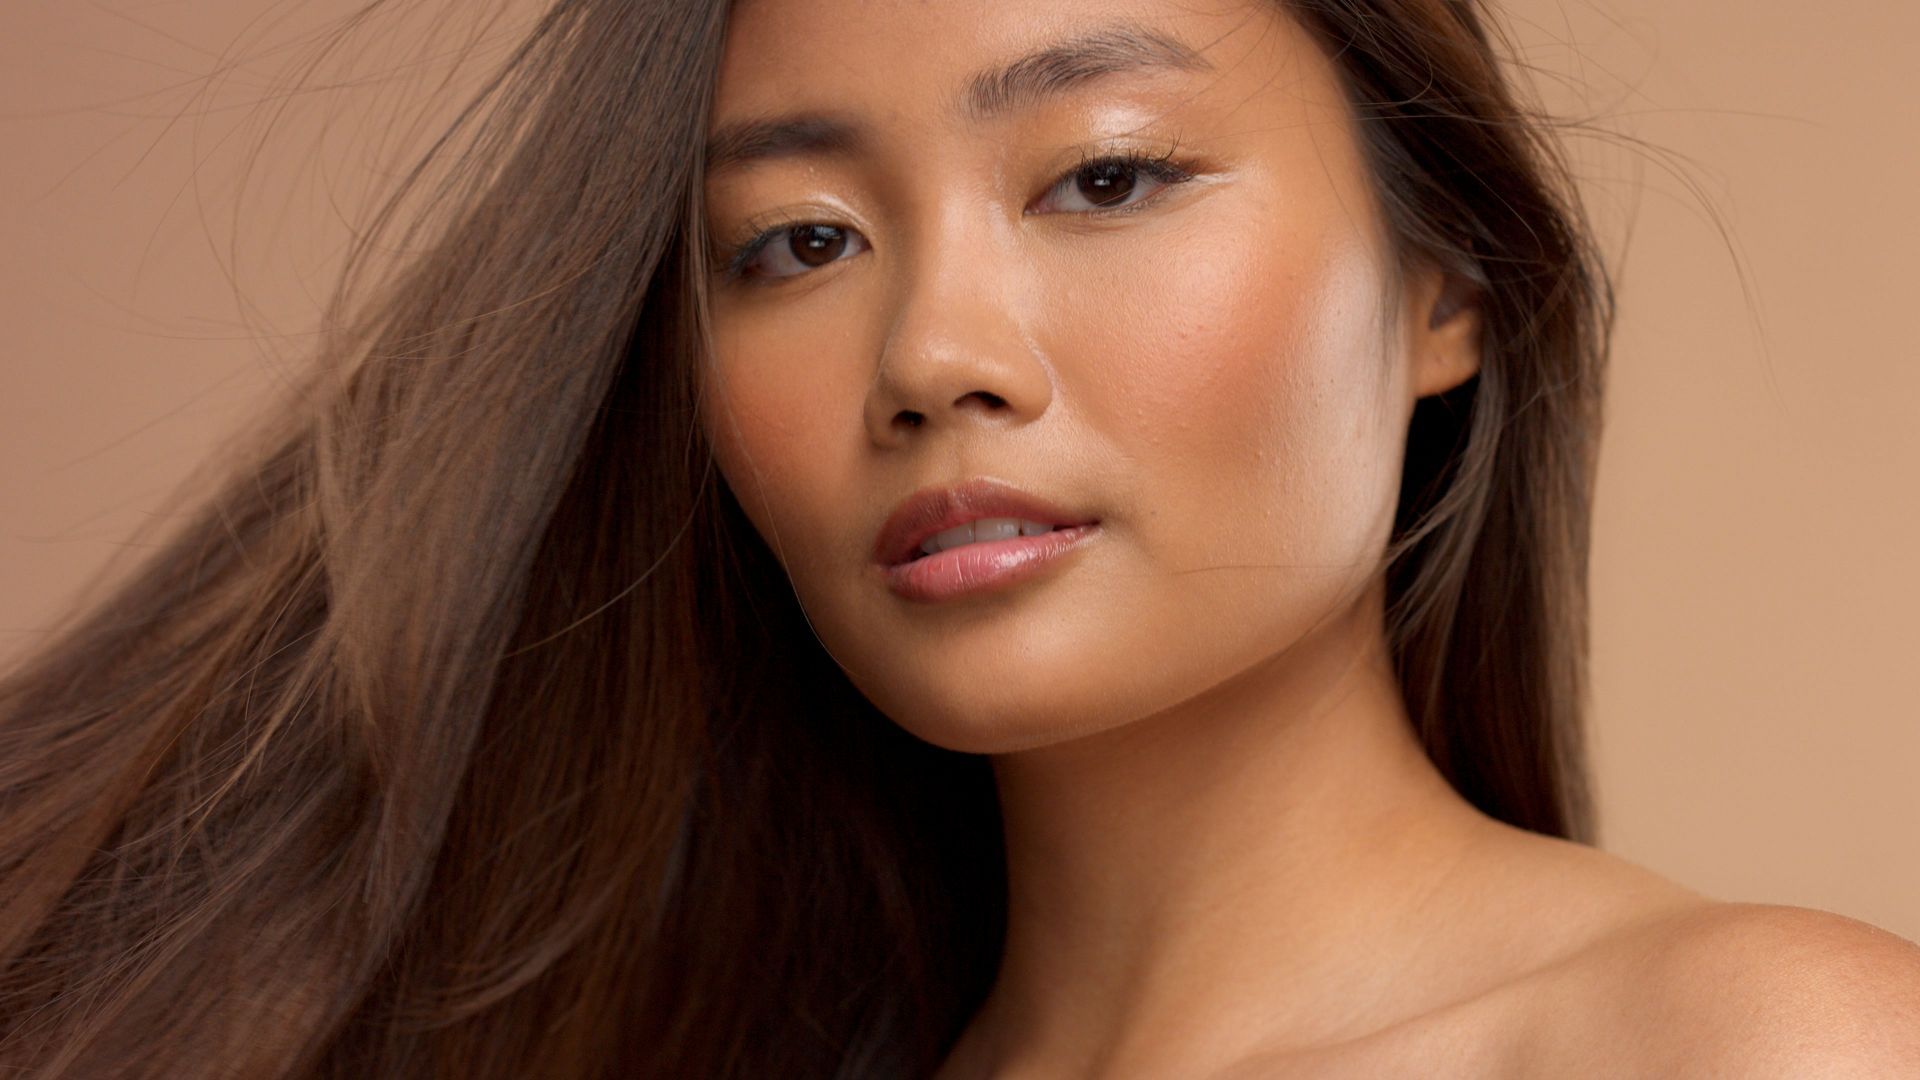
[983, 566]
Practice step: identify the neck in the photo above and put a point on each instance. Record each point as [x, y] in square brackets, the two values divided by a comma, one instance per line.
[1246, 862]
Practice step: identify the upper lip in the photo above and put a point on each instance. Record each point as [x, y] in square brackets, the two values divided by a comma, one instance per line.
[931, 510]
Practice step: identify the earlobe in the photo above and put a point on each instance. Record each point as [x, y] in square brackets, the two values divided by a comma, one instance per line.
[1446, 352]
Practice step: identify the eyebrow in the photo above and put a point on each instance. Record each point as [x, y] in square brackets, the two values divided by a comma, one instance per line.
[1004, 88]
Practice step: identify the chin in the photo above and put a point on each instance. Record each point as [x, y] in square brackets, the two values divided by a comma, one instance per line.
[1016, 713]
[976, 734]
[1036, 703]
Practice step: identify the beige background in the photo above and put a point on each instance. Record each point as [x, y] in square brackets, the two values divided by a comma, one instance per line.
[1755, 586]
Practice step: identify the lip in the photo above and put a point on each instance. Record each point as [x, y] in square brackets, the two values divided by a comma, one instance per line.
[932, 510]
[982, 566]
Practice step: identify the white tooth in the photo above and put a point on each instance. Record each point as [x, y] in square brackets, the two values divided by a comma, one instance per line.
[982, 530]
[995, 529]
[954, 537]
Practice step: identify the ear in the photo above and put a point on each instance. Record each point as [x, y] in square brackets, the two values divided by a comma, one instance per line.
[1443, 323]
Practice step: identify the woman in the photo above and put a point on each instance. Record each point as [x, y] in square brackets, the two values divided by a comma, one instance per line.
[885, 539]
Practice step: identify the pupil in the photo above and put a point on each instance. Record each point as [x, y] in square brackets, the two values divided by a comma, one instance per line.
[817, 245]
[1103, 184]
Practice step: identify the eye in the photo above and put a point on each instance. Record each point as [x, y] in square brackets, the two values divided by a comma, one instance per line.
[1109, 184]
[792, 249]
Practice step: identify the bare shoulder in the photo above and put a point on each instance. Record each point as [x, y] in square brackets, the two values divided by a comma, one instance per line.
[1607, 969]
[1658, 980]
[1761, 990]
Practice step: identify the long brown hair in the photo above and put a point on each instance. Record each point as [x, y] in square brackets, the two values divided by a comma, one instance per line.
[468, 729]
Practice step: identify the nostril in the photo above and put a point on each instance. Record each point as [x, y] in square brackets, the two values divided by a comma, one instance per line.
[991, 400]
[910, 418]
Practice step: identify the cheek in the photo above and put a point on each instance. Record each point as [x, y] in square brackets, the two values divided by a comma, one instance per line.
[1248, 380]
[776, 439]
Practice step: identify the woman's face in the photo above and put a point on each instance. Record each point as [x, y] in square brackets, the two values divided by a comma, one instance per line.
[1199, 353]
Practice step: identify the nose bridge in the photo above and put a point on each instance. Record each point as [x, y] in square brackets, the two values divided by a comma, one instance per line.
[956, 349]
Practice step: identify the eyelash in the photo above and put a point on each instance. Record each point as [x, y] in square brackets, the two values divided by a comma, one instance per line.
[1158, 167]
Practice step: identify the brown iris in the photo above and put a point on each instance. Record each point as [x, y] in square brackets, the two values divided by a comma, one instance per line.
[816, 245]
[1106, 183]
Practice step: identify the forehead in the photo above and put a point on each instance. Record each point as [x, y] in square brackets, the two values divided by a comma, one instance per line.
[978, 63]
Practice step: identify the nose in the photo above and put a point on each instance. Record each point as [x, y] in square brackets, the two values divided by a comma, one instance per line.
[959, 353]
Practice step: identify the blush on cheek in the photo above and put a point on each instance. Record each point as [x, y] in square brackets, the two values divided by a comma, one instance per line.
[782, 391]
[786, 463]
[747, 439]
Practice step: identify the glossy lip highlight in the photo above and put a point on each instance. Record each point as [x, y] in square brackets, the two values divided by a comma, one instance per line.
[932, 510]
[984, 566]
